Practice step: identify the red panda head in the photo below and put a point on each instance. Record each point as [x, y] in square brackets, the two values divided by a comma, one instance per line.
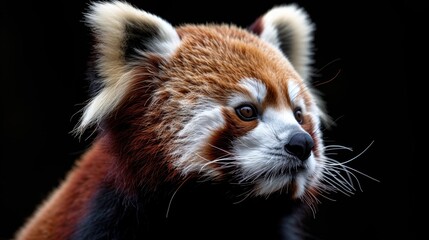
[212, 102]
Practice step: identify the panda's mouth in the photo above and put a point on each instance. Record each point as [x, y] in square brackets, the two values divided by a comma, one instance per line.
[291, 185]
[290, 171]
[285, 178]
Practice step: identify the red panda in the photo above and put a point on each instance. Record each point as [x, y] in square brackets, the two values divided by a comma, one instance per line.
[203, 132]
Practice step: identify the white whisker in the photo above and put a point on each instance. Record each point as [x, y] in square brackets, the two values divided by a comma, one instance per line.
[221, 149]
[337, 147]
[341, 180]
[338, 175]
[321, 191]
[246, 194]
[337, 186]
[349, 180]
[172, 197]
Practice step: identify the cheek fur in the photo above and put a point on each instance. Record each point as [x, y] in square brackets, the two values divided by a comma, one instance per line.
[220, 142]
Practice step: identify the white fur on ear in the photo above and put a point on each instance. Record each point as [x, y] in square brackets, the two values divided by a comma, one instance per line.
[288, 28]
[124, 36]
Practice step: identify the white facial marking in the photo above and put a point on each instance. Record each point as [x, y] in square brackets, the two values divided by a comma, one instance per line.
[295, 94]
[195, 136]
[259, 154]
[256, 89]
[293, 89]
[262, 158]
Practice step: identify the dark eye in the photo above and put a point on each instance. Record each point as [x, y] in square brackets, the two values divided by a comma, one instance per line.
[297, 112]
[247, 112]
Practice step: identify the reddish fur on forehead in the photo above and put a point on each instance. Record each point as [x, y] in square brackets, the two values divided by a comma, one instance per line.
[210, 62]
[213, 59]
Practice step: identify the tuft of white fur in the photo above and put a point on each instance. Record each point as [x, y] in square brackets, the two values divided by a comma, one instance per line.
[108, 20]
[207, 118]
[300, 35]
[261, 157]
[255, 91]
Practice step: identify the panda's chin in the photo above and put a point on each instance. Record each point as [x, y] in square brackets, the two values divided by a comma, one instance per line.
[294, 186]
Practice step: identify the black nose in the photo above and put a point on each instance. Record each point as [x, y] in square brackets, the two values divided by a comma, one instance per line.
[300, 145]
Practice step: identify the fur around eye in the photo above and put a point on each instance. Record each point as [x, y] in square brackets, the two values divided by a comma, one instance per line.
[297, 113]
[246, 112]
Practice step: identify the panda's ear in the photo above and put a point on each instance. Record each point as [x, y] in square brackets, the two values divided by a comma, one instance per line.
[288, 27]
[126, 35]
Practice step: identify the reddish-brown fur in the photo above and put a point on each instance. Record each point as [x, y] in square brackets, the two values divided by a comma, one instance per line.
[57, 218]
[211, 65]
[136, 138]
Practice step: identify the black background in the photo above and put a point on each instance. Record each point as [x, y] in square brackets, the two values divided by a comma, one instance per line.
[365, 54]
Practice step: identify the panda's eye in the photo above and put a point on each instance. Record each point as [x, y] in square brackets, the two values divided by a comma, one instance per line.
[247, 112]
[297, 112]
